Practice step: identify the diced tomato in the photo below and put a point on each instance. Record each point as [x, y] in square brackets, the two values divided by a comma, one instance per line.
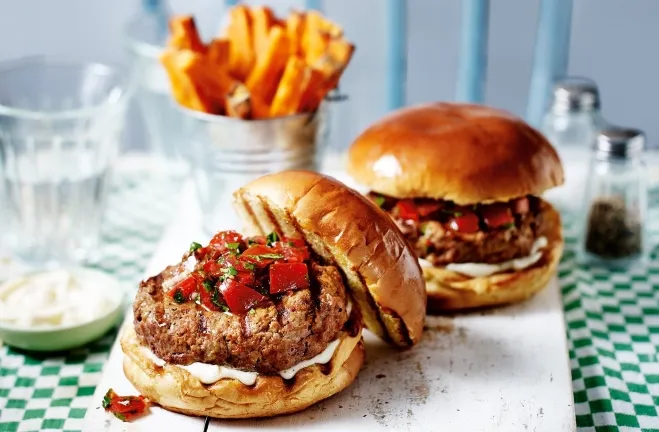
[222, 239]
[427, 208]
[239, 297]
[261, 256]
[288, 276]
[521, 205]
[407, 210]
[496, 215]
[200, 253]
[206, 295]
[257, 240]
[240, 265]
[125, 408]
[294, 252]
[212, 268]
[295, 242]
[246, 278]
[465, 223]
[182, 291]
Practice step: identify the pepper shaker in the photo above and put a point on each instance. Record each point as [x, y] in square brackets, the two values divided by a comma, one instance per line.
[615, 201]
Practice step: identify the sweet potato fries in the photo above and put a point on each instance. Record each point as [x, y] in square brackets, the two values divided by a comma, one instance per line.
[261, 67]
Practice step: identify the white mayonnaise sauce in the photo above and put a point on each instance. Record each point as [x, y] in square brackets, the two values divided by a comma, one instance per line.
[209, 374]
[322, 358]
[54, 299]
[482, 269]
[188, 267]
[146, 352]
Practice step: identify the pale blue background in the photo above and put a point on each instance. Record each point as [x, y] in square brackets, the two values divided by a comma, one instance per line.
[615, 42]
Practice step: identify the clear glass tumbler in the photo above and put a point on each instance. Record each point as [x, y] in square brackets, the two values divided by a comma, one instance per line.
[60, 128]
[225, 153]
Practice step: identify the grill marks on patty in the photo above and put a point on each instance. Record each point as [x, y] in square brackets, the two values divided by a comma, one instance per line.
[433, 239]
[298, 326]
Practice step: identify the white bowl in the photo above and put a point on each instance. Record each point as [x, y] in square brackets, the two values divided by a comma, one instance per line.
[64, 337]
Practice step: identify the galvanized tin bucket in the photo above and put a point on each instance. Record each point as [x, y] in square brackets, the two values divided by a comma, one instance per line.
[226, 153]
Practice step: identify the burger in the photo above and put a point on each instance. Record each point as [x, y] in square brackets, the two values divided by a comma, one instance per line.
[270, 321]
[464, 183]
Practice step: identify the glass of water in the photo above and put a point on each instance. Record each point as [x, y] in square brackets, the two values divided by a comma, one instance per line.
[60, 128]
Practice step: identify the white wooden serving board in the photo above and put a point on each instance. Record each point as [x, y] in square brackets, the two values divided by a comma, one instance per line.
[501, 370]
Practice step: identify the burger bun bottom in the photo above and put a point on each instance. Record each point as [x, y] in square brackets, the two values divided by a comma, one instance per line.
[175, 389]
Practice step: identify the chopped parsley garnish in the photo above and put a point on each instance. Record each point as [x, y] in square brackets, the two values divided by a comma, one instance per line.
[107, 399]
[228, 272]
[248, 265]
[233, 246]
[269, 256]
[457, 214]
[272, 237]
[250, 242]
[379, 200]
[194, 246]
[252, 311]
[178, 297]
[509, 225]
[215, 299]
[208, 285]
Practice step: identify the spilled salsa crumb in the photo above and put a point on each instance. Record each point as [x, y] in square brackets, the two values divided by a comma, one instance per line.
[125, 408]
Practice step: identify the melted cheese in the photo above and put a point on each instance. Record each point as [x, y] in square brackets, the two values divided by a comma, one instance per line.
[482, 269]
[209, 373]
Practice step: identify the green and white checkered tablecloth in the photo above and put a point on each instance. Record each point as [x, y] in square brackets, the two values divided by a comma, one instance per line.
[612, 320]
[39, 392]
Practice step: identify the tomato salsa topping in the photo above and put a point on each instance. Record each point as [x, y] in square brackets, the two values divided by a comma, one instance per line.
[462, 219]
[125, 408]
[234, 273]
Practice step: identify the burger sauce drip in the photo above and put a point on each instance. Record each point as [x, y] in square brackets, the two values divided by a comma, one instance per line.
[237, 274]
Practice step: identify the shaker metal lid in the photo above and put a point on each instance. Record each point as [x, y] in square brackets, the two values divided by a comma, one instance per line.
[575, 94]
[619, 142]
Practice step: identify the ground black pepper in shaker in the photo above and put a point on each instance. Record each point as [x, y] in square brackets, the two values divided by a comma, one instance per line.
[612, 231]
[616, 199]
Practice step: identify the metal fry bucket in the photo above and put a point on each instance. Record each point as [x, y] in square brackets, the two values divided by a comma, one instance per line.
[226, 153]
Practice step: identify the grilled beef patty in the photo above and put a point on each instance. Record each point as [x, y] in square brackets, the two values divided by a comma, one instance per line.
[296, 326]
[431, 231]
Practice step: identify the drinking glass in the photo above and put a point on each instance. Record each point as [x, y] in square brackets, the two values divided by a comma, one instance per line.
[225, 153]
[60, 127]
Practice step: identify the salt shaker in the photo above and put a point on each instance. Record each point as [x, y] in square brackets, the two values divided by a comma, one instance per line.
[613, 229]
[571, 125]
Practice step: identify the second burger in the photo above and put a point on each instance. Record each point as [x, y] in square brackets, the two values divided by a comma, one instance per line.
[463, 183]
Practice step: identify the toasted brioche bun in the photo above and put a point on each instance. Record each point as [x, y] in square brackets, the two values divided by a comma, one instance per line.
[175, 389]
[448, 290]
[344, 227]
[463, 153]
